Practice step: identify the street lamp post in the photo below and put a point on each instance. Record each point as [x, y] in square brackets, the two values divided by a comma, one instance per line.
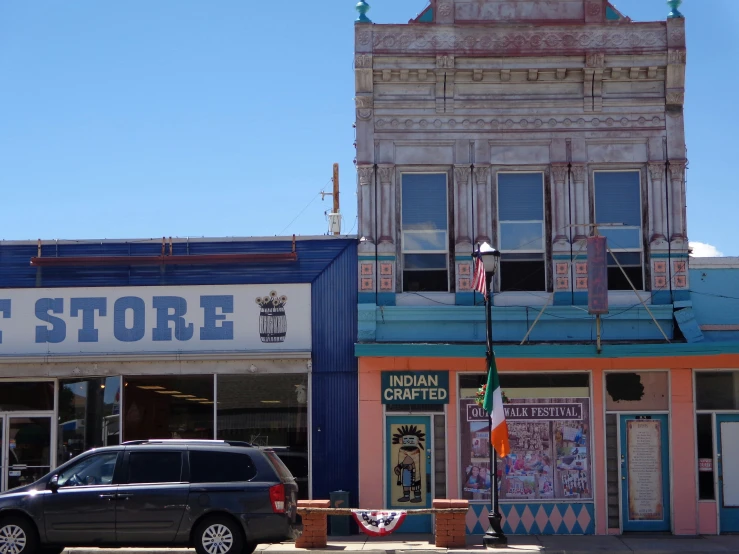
[494, 537]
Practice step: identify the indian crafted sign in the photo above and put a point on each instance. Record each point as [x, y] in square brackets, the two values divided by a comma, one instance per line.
[415, 387]
[110, 320]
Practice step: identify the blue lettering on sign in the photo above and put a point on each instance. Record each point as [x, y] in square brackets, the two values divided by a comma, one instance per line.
[87, 306]
[5, 310]
[58, 331]
[121, 306]
[210, 329]
[182, 330]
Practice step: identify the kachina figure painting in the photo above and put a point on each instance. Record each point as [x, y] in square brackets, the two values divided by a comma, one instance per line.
[410, 470]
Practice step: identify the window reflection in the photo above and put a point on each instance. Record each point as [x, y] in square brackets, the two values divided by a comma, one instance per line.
[167, 407]
[268, 410]
[88, 415]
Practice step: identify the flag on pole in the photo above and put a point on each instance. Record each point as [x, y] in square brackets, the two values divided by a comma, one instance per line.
[493, 404]
[480, 282]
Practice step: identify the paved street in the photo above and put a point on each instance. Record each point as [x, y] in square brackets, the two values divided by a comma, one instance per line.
[541, 544]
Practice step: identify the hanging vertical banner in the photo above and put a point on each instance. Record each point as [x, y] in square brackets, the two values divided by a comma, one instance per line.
[597, 276]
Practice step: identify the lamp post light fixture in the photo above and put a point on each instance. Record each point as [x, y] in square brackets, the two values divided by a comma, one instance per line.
[494, 537]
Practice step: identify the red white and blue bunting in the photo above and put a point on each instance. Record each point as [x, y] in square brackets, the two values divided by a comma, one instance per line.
[378, 523]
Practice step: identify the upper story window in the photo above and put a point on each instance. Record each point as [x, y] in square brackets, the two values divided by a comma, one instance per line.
[618, 203]
[521, 232]
[425, 232]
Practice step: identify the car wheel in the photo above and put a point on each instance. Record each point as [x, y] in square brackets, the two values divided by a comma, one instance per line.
[217, 535]
[17, 536]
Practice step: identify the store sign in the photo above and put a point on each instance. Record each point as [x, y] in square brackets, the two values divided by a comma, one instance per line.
[705, 464]
[415, 387]
[222, 318]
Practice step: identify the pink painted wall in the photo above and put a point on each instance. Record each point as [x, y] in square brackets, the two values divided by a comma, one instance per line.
[684, 493]
[707, 522]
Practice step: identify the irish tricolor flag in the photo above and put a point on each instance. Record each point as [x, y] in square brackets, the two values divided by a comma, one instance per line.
[493, 404]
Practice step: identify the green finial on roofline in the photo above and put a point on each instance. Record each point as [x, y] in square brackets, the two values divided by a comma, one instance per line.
[675, 13]
[363, 7]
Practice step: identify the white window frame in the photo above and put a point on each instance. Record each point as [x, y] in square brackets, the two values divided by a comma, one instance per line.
[640, 250]
[403, 251]
[499, 236]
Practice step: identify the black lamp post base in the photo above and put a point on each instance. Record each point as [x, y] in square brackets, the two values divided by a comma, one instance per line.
[495, 538]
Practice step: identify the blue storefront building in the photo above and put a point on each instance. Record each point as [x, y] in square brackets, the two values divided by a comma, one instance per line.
[241, 339]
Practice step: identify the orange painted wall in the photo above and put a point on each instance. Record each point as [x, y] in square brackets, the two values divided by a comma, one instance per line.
[685, 507]
[684, 495]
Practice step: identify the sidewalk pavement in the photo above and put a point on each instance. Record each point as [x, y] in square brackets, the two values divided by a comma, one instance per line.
[540, 544]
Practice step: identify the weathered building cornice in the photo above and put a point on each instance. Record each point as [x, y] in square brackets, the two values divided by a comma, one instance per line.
[511, 40]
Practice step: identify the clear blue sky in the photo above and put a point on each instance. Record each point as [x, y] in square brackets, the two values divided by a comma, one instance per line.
[223, 118]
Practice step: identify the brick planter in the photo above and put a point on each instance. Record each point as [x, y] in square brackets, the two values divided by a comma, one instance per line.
[315, 525]
[450, 529]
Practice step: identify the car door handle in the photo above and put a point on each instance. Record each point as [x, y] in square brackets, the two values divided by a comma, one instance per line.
[108, 496]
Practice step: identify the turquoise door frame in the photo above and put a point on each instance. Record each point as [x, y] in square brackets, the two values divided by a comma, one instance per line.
[412, 524]
[628, 524]
[726, 426]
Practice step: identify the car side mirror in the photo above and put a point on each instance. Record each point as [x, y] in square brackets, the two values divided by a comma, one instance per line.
[53, 484]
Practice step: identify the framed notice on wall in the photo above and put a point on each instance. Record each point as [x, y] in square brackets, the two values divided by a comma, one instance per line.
[550, 451]
[644, 452]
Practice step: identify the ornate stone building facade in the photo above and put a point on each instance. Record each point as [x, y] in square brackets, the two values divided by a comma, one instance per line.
[569, 101]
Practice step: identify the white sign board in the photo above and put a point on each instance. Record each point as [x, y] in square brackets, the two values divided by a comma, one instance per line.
[108, 320]
[730, 463]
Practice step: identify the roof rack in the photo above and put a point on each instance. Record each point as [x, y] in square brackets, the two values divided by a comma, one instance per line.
[187, 441]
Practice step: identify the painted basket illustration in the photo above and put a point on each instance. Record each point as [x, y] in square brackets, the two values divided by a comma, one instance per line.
[272, 318]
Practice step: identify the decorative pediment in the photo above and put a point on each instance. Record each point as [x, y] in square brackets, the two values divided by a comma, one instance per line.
[517, 11]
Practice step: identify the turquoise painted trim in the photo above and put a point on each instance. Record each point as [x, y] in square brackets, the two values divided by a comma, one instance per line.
[581, 298]
[661, 298]
[562, 299]
[366, 298]
[563, 257]
[386, 299]
[539, 351]
[464, 257]
[548, 518]
[728, 516]
[611, 14]
[412, 524]
[427, 16]
[465, 299]
[366, 258]
[648, 525]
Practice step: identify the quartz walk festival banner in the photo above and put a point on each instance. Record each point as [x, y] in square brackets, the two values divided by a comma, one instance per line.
[550, 455]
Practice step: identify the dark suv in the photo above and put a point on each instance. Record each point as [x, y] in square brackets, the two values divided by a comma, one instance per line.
[220, 497]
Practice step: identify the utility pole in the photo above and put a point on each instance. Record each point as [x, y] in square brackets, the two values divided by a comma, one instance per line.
[334, 217]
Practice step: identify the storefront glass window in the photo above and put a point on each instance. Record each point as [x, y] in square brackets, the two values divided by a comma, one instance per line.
[549, 429]
[637, 391]
[268, 410]
[168, 407]
[717, 390]
[16, 397]
[88, 415]
[704, 427]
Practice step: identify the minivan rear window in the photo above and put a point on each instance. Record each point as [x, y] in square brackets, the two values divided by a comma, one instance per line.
[154, 467]
[220, 467]
[282, 471]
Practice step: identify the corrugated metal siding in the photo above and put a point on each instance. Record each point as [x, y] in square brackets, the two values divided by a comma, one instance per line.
[335, 385]
[313, 257]
[335, 430]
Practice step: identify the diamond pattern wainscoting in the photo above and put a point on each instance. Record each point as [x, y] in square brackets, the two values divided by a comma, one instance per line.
[535, 519]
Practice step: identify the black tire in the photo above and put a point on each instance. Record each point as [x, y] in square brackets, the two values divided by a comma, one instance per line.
[249, 547]
[219, 535]
[51, 550]
[18, 536]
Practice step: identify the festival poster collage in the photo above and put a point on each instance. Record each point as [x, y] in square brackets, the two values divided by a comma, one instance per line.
[549, 460]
